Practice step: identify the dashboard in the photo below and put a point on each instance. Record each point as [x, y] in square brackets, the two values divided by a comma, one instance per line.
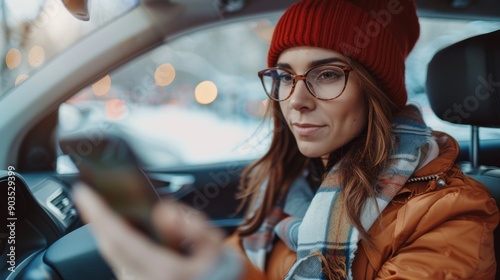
[53, 195]
[44, 237]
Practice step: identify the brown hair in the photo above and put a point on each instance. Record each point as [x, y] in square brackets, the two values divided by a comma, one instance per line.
[363, 159]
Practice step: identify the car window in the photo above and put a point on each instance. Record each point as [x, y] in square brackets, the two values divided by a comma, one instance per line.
[197, 99]
[34, 31]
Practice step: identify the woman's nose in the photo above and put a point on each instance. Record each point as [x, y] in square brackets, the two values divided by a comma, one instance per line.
[301, 98]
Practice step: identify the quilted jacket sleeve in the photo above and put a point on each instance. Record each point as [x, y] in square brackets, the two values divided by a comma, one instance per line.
[446, 234]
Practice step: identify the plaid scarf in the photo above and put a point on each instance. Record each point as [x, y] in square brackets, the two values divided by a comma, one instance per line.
[316, 226]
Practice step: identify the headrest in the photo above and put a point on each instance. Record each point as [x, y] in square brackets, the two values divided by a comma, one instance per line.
[463, 81]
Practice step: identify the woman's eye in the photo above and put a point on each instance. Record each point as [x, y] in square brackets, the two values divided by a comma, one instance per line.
[286, 78]
[329, 76]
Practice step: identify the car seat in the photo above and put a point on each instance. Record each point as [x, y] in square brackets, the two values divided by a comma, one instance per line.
[463, 86]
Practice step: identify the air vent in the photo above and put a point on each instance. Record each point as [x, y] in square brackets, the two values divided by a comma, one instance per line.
[61, 202]
[62, 207]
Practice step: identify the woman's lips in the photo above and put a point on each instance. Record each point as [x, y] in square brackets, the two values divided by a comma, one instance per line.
[306, 129]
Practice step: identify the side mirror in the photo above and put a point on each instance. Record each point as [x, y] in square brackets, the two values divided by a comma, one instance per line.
[78, 8]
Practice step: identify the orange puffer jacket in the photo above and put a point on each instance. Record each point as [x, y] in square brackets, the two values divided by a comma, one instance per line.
[439, 226]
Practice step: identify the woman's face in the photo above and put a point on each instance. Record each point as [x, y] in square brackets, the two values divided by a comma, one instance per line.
[321, 127]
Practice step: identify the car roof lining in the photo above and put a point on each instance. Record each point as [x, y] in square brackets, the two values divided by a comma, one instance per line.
[459, 9]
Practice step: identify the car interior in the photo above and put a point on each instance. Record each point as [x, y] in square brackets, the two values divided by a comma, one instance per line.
[462, 85]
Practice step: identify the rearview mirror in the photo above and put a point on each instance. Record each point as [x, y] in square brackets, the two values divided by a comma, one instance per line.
[78, 8]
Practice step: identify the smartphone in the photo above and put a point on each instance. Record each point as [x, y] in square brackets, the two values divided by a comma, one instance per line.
[111, 168]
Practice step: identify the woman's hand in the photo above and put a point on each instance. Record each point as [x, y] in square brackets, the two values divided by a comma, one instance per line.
[132, 255]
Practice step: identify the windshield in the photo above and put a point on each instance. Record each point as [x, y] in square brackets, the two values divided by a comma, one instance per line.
[34, 31]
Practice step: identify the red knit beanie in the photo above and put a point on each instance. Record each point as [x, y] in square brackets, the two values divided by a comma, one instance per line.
[379, 34]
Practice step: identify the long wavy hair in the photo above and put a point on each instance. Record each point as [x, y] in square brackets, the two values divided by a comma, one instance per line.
[361, 161]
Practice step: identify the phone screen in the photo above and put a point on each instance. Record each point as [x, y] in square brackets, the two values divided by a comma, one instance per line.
[111, 168]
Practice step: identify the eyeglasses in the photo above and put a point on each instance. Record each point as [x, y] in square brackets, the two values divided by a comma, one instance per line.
[325, 82]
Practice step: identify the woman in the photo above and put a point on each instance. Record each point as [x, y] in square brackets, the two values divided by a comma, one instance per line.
[354, 185]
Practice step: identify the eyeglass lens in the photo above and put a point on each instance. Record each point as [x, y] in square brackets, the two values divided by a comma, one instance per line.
[324, 82]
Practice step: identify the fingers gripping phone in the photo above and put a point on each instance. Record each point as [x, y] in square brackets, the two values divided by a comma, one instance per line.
[112, 169]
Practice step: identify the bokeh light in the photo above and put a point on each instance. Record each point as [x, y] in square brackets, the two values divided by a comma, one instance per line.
[21, 78]
[102, 86]
[256, 108]
[205, 92]
[261, 110]
[36, 56]
[164, 74]
[13, 58]
[264, 30]
[116, 109]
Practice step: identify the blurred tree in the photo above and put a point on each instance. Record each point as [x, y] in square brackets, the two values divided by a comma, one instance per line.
[17, 18]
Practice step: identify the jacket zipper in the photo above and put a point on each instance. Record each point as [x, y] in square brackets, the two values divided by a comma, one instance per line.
[422, 179]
